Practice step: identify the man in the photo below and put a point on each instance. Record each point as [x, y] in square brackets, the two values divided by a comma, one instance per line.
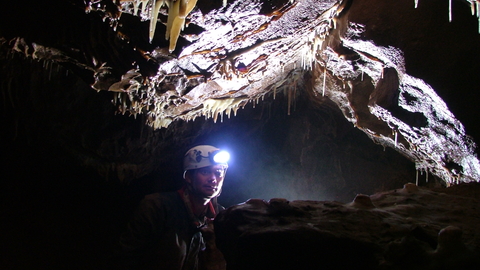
[172, 230]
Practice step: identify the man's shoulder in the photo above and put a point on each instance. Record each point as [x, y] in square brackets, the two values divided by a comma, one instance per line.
[168, 203]
[160, 202]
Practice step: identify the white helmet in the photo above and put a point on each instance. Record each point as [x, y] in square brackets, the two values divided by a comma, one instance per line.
[203, 156]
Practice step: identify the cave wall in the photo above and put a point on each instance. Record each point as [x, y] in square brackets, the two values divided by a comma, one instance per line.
[442, 53]
[99, 55]
[64, 201]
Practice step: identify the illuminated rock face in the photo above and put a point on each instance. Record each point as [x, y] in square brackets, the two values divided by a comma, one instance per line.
[240, 54]
[88, 101]
[408, 228]
[248, 51]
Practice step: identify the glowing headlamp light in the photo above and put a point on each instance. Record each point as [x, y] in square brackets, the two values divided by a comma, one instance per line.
[220, 157]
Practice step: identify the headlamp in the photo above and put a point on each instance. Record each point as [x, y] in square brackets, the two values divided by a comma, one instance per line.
[221, 157]
[204, 155]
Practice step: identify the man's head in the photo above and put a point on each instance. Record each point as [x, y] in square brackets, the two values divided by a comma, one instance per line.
[204, 170]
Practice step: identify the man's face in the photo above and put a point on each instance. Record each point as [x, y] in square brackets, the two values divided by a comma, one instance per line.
[207, 182]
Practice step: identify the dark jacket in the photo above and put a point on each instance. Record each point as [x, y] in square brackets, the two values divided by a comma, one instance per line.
[162, 234]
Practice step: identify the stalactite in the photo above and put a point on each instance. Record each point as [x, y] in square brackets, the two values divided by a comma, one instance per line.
[153, 17]
[173, 9]
[395, 133]
[474, 6]
[324, 79]
[137, 4]
[178, 22]
[450, 10]
[477, 5]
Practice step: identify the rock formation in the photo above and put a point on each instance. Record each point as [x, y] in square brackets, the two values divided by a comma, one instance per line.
[407, 228]
[224, 56]
[99, 104]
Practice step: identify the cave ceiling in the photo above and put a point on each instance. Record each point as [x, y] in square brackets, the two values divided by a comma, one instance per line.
[212, 58]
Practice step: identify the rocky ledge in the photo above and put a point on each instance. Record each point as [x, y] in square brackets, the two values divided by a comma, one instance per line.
[407, 228]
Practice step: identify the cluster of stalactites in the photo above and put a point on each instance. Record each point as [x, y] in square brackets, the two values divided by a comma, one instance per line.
[316, 40]
[177, 12]
[474, 5]
[136, 99]
[316, 43]
[212, 108]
